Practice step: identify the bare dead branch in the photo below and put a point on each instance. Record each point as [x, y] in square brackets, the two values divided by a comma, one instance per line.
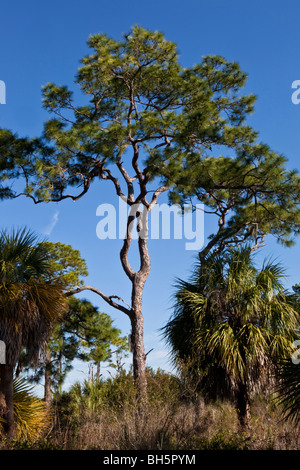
[108, 299]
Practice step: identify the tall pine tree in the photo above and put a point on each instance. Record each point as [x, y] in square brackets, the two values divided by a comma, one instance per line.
[149, 126]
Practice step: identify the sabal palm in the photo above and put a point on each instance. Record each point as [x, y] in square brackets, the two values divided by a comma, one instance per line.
[29, 303]
[232, 322]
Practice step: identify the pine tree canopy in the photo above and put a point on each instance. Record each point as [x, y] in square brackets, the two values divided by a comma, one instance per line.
[146, 122]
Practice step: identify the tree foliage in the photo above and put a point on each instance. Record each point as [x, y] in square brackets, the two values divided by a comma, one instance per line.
[30, 302]
[32, 418]
[65, 264]
[232, 324]
[84, 334]
[188, 125]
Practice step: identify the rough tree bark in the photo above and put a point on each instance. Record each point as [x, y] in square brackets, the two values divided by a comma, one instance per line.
[138, 280]
[243, 407]
[137, 334]
[7, 399]
[47, 385]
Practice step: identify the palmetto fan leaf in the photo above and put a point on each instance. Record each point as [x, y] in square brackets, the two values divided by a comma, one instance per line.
[29, 302]
[32, 417]
[20, 256]
[288, 391]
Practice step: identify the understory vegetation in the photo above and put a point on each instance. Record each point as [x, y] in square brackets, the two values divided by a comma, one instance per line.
[102, 415]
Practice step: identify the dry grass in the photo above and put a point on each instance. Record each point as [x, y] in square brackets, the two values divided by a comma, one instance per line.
[192, 426]
[106, 416]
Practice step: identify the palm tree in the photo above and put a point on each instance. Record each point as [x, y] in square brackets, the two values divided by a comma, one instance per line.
[29, 303]
[231, 324]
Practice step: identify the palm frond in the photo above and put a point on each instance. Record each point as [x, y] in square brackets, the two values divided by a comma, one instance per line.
[234, 316]
[287, 393]
[32, 418]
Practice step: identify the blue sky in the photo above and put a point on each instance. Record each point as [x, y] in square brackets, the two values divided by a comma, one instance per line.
[42, 42]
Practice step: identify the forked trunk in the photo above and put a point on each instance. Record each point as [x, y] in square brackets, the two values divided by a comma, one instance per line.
[138, 280]
[6, 399]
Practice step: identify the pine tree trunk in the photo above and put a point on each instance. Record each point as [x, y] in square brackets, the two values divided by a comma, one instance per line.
[137, 336]
[6, 399]
[138, 280]
[243, 407]
[98, 372]
[60, 372]
[138, 350]
[48, 379]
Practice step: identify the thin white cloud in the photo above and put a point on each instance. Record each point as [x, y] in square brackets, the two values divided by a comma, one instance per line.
[48, 230]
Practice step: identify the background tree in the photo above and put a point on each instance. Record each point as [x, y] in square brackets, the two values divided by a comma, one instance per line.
[231, 325]
[29, 304]
[66, 265]
[83, 333]
[150, 125]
